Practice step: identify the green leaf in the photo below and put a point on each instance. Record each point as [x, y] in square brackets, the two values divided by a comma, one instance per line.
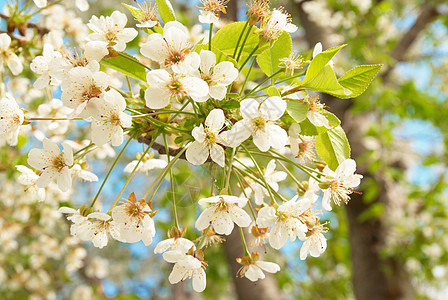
[231, 104]
[297, 110]
[134, 11]
[359, 78]
[326, 82]
[126, 64]
[319, 62]
[166, 10]
[273, 91]
[332, 119]
[269, 59]
[226, 38]
[220, 56]
[332, 146]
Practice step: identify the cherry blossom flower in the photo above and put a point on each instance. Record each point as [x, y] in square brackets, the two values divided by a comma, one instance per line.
[207, 140]
[41, 65]
[180, 244]
[83, 87]
[134, 221]
[145, 14]
[75, 217]
[253, 267]
[109, 119]
[286, 219]
[222, 213]
[292, 62]
[165, 87]
[187, 266]
[339, 184]
[258, 121]
[210, 10]
[111, 30]
[272, 177]
[315, 242]
[11, 117]
[218, 76]
[146, 164]
[302, 147]
[53, 164]
[172, 49]
[96, 228]
[29, 179]
[276, 24]
[8, 56]
[83, 174]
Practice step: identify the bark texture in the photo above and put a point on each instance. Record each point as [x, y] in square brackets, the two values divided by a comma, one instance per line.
[374, 277]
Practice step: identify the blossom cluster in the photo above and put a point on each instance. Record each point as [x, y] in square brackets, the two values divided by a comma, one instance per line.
[192, 103]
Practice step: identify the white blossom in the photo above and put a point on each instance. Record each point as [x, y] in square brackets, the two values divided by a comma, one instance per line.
[165, 87]
[110, 119]
[53, 164]
[83, 174]
[41, 65]
[29, 179]
[272, 177]
[8, 56]
[222, 213]
[259, 121]
[218, 76]
[134, 221]
[207, 140]
[40, 3]
[82, 88]
[111, 30]
[179, 244]
[339, 184]
[315, 243]
[146, 164]
[276, 24]
[186, 266]
[11, 117]
[253, 268]
[96, 228]
[286, 219]
[172, 49]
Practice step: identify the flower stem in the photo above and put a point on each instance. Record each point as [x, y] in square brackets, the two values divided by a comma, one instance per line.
[176, 220]
[244, 241]
[244, 42]
[210, 37]
[239, 38]
[249, 57]
[247, 77]
[201, 242]
[238, 177]
[110, 170]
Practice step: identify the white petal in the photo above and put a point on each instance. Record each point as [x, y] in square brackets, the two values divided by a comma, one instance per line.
[217, 154]
[215, 120]
[197, 153]
[273, 108]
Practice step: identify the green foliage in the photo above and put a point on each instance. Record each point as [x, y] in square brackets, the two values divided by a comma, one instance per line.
[358, 79]
[297, 110]
[227, 37]
[166, 10]
[325, 81]
[269, 59]
[126, 64]
[319, 62]
[333, 147]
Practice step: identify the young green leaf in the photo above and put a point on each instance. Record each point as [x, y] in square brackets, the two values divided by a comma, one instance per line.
[359, 78]
[166, 10]
[273, 91]
[126, 64]
[332, 146]
[269, 59]
[134, 11]
[319, 62]
[297, 109]
[326, 82]
[227, 37]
